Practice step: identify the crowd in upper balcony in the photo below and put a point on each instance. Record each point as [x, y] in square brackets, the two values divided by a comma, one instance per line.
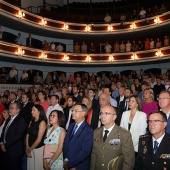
[123, 46]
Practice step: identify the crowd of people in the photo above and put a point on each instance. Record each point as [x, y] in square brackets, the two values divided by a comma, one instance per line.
[128, 46]
[142, 14]
[88, 123]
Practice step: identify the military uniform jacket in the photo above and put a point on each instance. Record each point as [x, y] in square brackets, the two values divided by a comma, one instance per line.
[118, 143]
[147, 160]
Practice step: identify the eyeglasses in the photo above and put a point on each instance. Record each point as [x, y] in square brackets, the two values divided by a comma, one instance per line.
[53, 116]
[163, 98]
[155, 122]
[77, 111]
[107, 113]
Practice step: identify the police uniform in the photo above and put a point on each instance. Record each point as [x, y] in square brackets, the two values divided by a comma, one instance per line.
[118, 145]
[147, 160]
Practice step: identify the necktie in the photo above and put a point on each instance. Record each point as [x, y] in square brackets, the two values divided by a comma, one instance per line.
[155, 146]
[126, 105]
[6, 129]
[105, 135]
[74, 130]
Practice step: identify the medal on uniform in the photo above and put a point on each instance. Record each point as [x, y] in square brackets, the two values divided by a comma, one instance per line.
[143, 142]
[145, 149]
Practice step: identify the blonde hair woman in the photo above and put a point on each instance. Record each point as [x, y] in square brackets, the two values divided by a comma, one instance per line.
[149, 105]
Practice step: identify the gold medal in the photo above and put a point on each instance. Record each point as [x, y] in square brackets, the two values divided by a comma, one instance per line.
[144, 149]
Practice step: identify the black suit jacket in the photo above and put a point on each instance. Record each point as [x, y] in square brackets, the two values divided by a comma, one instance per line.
[66, 113]
[30, 43]
[95, 103]
[95, 117]
[14, 137]
[120, 109]
[147, 160]
[26, 112]
[79, 99]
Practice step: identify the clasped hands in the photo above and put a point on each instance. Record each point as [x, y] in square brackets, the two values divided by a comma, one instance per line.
[66, 168]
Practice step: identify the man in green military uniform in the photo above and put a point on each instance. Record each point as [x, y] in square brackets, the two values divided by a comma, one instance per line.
[112, 147]
[154, 149]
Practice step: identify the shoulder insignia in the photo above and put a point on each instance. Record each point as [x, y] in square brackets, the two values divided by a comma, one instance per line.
[143, 136]
[123, 128]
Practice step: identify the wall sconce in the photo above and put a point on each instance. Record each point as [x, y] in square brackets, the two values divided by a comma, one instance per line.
[157, 21]
[66, 58]
[134, 57]
[65, 27]
[111, 59]
[20, 14]
[43, 56]
[110, 28]
[20, 52]
[159, 53]
[88, 59]
[88, 28]
[43, 22]
[133, 26]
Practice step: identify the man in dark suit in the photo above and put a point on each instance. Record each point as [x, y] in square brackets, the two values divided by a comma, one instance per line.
[158, 88]
[112, 144]
[26, 109]
[154, 149]
[76, 94]
[12, 139]
[91, 95]
[68, 111]
[78, 141]
[104, 100]
[164, 104]
[29, 41]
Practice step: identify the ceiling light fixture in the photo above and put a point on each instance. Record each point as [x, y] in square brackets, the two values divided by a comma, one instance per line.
[20, 14]
[88, 59]
[88, 28]
[159, 53]
[66, 58]
[65, 27]
[43, 22]
[20, 52]
[133, 26]
[157, 20]
[111, 59]
[110, 28]
[43, 56]
[134, 57]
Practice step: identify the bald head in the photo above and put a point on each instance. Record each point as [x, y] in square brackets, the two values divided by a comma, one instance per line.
[104, 100]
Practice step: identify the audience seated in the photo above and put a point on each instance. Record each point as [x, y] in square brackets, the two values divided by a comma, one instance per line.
[13, 75]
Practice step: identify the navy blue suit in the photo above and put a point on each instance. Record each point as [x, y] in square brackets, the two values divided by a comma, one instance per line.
[14, 143]
[78, 148]
[168, 126]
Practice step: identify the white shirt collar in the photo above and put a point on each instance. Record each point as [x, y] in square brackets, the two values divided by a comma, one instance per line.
[110, 129]
[158, 140]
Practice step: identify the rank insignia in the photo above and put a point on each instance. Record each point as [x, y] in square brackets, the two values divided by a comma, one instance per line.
[118, 136]
[114, 142]
[145, 149]
[97, 140]
[165, 156]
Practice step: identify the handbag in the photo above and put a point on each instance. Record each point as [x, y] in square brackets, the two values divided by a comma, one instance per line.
[49, 150]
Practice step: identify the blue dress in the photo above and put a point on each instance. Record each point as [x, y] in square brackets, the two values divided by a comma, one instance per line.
[53, 138]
